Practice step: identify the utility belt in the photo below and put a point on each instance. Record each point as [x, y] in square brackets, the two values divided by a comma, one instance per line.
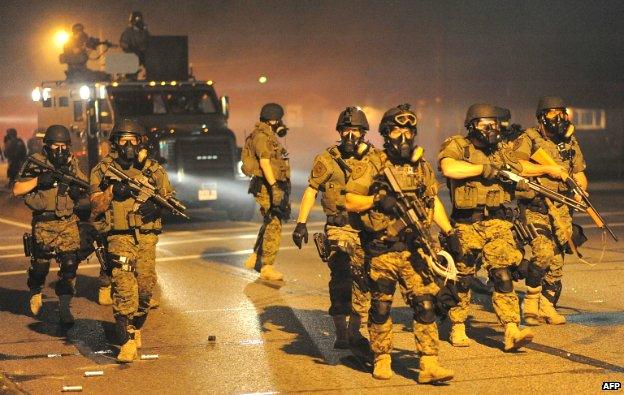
[378, 247]
[537, 204]
[132, 232]
[482, 213]
[341, 219]
[256, 183]
[46, 216]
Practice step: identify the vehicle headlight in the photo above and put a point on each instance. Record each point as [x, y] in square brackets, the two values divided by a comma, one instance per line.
[180, 175]
[85, 92]
[36, 94]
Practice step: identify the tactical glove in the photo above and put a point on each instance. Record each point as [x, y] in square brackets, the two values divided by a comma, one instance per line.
[384, 202]
[451, 243]
[300, 234]
[46, 180]
[149, 210]
[75, 192]
[121, 191]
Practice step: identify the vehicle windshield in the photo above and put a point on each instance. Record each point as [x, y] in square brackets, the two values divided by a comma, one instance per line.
[163, 102]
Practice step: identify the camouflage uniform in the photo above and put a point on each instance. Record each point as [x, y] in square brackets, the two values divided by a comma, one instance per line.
[55, 229]
[348, 287]
[265, 145]
[482, 227]
[554, 228]
[393, 262]
[133, 241]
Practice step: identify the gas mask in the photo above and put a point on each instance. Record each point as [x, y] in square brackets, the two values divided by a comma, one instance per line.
[58, 156]
[558, 126]
[349, 143]
[280, 129]
[401, 147]
[489, 135]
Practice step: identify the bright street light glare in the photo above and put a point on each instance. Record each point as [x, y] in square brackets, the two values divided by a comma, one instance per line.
[263, 79]
[85, 92]
[61, 37]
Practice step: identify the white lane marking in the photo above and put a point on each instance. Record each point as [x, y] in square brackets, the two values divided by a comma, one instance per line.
[11, 247]
[11, 255]
[233, 230]
[22, 225]
[163, 259]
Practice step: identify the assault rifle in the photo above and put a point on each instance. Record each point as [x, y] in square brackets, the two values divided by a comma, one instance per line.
[145, 191]
[413, 214]
[541, 157]
[64, 176]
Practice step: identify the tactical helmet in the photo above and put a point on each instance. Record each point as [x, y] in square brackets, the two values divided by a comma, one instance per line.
[482, 110]
[78, 27]
[352, 117]
[12, 132]
[401, 116]
[271, 112]
[504, 115]
[549, 102]
[57, 134]
[127, 126]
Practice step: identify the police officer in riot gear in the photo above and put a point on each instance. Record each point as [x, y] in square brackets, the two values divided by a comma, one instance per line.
[348, 287]
[266, 160]
[392, 248]
[75, 55]
[135, 37]
[133, 229]
[54, 224]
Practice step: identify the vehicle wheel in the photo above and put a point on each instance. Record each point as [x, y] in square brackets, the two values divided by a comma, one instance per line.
[241, 213]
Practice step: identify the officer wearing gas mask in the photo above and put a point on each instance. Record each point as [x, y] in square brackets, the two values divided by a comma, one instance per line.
[554, 135]
[471, 164]
[54, 224]
[132, 230]
[348, 287]
[134, 38]
[394, 252]
[266, 160]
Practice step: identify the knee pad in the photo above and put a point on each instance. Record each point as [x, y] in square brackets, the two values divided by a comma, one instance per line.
[535, 275]
[552, 292]
[501, 278]
[424, 308]
[69, 265]
[380, 311]
[463, 284]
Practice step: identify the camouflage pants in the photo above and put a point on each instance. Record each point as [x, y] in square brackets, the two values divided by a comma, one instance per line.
[272, 237]
[348, 286]
[62, 238]
[546, 250]
[131, 291]
[492, 241]
[385, 271]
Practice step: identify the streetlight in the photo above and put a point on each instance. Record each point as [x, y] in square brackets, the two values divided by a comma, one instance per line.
[263, 79]
[60, 38]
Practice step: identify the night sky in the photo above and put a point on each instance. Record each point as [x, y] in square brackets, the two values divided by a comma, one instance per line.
[321, 56]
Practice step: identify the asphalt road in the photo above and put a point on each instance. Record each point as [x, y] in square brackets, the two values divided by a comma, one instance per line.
[277, 337]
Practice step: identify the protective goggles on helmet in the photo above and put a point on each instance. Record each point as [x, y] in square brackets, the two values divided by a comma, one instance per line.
[405, 119]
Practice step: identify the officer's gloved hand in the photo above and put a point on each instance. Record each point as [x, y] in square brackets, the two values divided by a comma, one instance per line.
[511, 162]
[121, 191]
[385, 202]
[46, 180]
[300, 234]
[75, 192]
[450, 242]
[149, 210]
[490, 171]
[447, 297]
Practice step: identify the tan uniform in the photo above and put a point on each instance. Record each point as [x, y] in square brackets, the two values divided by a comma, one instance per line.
[55, 229]
[554, 225]
[131, 244]
[393, 260]
[264, 144]
[348, 287]
[483, 229]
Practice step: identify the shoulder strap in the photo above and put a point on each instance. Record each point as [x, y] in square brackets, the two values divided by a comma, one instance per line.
[335, 154]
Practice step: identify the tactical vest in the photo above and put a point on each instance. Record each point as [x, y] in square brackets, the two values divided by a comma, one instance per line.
[55, 199]
[470, 193]
[278, 155]
[562, 153]
[411, 179]
[121, 215]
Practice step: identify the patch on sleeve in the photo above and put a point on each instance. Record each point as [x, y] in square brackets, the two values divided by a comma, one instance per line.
[319, 169]
[358, 171]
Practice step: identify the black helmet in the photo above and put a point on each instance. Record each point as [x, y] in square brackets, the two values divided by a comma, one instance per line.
[127, 126]
[549, 102]
[136, 18]
[78, 27]
[482, 110]
[12, 132]
[271, 112]
[400, 115]
[352, 117]
[57, 134]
